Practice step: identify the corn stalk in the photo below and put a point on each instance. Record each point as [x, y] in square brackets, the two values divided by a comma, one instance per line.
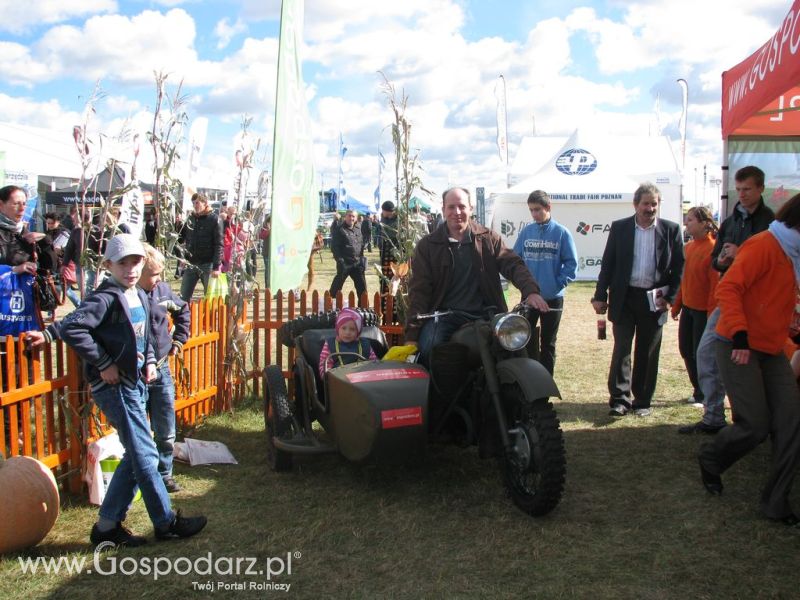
[241, 284]
[407, 167]
[169, 121]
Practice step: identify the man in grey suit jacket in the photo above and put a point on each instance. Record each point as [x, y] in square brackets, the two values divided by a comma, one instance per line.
[642, 253]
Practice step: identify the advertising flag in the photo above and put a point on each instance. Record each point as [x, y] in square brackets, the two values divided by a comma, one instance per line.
[132, 210]
[502, 119]
[340, 191]
[682, 122]
[377, 194]
[295, 205]
[194, 148]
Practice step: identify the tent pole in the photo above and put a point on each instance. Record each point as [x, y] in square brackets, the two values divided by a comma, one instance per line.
[723, 198]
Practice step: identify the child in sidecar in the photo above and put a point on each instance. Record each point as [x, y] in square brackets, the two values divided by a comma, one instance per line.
[347, 342]
[369, 410]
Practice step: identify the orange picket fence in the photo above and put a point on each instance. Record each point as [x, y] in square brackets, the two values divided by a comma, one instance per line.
[47, 408]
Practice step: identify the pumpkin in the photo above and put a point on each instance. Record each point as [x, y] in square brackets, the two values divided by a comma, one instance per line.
[29, 503]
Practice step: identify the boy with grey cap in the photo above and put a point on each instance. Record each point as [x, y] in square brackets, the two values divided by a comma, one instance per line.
[110, 333]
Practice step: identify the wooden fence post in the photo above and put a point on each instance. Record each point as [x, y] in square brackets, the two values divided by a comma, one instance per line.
[74, 390]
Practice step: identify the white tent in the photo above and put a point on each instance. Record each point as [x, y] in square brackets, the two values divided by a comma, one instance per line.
[590, 179]
[39, 151]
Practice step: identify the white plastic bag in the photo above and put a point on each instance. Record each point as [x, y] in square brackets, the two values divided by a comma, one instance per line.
[101, 449]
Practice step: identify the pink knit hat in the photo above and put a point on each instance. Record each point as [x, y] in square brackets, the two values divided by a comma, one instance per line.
[348, 314]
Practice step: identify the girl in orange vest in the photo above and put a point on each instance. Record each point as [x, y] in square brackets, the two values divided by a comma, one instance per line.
[695, 298]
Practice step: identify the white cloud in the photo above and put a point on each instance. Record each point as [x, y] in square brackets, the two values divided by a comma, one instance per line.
[18, 17]
[653, 33]
[225, 32]
[244, 82]
[119, 48]
[593, 66]
[121, 105]
[27, 111]
[124, 50]
[112, 48]
[18, 67]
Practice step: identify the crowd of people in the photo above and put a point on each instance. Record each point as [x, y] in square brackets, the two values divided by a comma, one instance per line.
[736, 299]
[734, 290]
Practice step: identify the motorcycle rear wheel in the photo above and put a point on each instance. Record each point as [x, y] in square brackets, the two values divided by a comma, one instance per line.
[535, 469]
[277, 418]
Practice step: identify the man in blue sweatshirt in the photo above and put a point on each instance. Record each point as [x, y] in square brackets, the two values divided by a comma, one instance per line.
[549, 253]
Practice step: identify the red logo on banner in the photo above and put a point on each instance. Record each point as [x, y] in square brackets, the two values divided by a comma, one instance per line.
[401, 417]
[386, 374]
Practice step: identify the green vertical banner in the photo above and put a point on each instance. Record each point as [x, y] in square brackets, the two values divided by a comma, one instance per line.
[295, 204]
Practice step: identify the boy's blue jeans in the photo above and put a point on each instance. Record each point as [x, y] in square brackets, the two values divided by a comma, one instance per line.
[191, 275]
[161, 405]
[124, 407]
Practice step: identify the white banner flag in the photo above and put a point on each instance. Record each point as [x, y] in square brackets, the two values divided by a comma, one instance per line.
[194, 148]
[502, 119]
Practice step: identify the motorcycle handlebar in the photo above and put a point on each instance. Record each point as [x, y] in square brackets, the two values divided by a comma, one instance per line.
[441, 313]
[453, 311]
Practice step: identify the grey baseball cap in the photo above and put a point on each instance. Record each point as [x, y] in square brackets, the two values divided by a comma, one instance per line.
[122, 245]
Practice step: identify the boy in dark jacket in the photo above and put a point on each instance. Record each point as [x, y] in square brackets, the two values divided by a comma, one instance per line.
[161, 391]
[203, 247]
[110, 333]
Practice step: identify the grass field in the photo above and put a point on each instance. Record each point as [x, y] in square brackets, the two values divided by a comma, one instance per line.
[634, 521]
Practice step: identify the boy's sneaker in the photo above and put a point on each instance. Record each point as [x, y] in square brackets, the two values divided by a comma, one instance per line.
[172, 485]
[119, 536]
[181, 527]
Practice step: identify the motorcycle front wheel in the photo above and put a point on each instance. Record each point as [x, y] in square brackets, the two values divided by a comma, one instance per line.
[535, 468]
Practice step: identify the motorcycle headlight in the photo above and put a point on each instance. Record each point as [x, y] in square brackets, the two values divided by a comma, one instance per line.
[512, 330]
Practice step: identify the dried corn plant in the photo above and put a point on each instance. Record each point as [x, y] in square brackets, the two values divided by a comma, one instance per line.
[407, 170]
[244, 224]
[90, 152]
[169, 121]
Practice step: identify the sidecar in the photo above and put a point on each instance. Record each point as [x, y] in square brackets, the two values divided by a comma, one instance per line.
[368, 411]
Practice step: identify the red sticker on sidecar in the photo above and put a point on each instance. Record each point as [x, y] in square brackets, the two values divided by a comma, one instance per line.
[401, 417]
[386, 374]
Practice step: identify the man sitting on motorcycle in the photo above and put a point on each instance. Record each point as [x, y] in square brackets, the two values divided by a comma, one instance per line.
[458, 267]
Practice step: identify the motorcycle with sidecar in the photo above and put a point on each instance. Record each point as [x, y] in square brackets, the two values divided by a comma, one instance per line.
[480, 388]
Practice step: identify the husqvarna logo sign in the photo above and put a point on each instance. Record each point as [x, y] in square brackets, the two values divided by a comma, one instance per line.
[576, 161]
[17, 301]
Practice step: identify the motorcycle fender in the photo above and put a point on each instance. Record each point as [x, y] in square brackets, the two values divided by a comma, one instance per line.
[533, 378]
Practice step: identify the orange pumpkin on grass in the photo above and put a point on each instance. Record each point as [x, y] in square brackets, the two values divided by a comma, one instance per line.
[29, 503]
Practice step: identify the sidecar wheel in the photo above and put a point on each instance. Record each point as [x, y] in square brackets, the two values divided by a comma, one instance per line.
[298, 407]
[277, 418]
[536, 468]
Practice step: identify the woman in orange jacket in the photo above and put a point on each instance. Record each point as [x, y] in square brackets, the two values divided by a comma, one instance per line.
[695, 297]
[757, 302]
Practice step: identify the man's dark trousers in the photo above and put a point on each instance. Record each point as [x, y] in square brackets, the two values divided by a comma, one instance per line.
[636, 320]
[549, 332]
[354, 271]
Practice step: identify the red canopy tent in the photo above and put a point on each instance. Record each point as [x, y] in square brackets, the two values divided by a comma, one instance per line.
[761, 113]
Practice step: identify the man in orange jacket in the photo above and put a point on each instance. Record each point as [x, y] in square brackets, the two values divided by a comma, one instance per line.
[757, 299]
[749, 217]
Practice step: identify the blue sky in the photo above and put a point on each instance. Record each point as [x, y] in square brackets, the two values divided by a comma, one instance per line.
[567, 64]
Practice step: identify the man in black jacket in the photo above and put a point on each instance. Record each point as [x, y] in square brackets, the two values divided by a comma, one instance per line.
[643, 253]
[203, 246]
[347, 244]
[749, 217]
